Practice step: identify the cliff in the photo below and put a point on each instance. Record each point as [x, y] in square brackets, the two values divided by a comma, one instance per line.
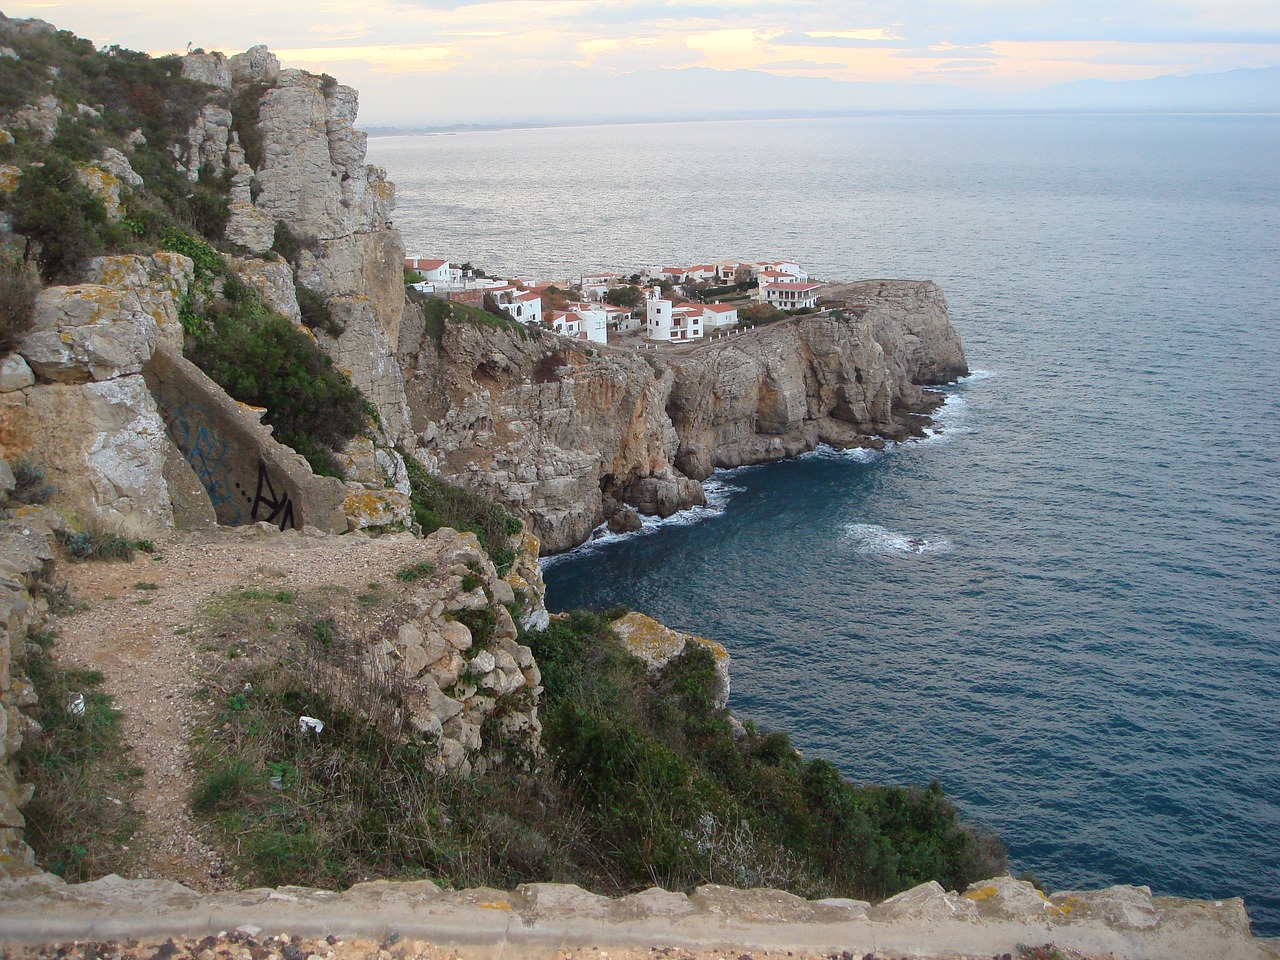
[569, 434]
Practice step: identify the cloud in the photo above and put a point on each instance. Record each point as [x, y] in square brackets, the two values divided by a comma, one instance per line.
[948, 51]
[799, 65]
[832, 41]
[952, 66]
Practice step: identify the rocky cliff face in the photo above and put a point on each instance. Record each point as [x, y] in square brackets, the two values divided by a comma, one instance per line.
[568, 435]
[307, 170]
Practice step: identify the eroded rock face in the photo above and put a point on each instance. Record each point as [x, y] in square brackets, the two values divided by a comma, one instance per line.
[313, 178]
[88, 332]
[101, 444]
[158, 282]
[564, 434]
[460, 680]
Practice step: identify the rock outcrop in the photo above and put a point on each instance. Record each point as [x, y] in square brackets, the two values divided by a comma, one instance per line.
[566, 434]
[311, 176]
[26, 563]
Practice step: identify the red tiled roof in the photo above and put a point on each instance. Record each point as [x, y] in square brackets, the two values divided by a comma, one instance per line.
[792, 286]
[719, 307]
[429, 264]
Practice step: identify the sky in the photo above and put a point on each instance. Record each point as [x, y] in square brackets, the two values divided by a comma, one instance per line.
[424, 61]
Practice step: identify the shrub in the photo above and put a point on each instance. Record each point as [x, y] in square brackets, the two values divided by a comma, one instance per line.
[30, 485]
[415, 572]
[19, 286]
[316, 313]
[437, 503]
[54, 211]
[286, 243]
[259, 358]
[81, 814]
[94, 544]
[246, 106]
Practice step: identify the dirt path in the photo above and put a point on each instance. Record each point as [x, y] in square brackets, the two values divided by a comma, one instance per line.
[140, 628]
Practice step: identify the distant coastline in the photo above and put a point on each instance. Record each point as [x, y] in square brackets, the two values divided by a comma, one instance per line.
[499, 126]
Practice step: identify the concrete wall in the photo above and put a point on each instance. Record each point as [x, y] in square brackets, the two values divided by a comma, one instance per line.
[248, 475]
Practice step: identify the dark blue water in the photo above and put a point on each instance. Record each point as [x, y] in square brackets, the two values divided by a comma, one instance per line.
[1064, 607]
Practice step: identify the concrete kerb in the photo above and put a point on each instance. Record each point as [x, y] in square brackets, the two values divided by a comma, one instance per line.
[489, 922]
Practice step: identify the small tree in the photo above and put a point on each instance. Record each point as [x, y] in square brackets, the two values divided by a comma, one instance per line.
[628, 296]
[19, 286]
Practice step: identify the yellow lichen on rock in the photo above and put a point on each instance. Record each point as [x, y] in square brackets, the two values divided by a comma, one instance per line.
[9, 177]
[104, 185]
[657, 645]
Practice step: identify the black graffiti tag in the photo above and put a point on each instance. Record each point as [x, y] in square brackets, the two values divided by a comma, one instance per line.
[280, 505]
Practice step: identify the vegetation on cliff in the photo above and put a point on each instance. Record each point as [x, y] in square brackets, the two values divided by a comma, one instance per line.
[81, 814]
[142, 107]
[644, 781]
[110, 99]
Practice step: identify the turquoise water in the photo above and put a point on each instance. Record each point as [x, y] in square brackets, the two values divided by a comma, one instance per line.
[1064, 604]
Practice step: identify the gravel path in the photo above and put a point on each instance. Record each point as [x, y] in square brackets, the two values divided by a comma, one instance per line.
[144, 640]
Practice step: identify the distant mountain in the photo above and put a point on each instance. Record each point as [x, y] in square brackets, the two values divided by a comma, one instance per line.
[1246, 89]
[467, 97]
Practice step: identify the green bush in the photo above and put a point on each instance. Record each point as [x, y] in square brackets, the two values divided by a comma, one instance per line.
[260, 358]
[246, 106]
[53, 210]
[29, 483]
[81, 815]
[316, 313]
[437, 503]
[676, 797]
[96, 544]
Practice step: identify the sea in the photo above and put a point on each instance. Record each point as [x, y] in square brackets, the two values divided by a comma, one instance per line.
[1064, 602]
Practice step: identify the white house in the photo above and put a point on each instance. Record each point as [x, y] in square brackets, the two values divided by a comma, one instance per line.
[716, 315]
[595, 285]
[519, 304]
[621, 318]
[789, 295]
[790, 268]
[437, 273]
[665, 321]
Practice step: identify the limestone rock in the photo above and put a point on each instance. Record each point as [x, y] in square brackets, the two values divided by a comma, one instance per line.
[657, 645]
[102, 445]
[7, 480]
[1011, 899]
[105, 186]
[41, 117]
[15, 374]
[117, 164]
[10, 177]
[273, 280]
[255, 65]
[207, 141]
[928, 901]
[158, 282]
[1122, 906]
[209, 68]
[87, 332]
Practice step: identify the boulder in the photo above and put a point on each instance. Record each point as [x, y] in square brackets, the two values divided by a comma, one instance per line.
[658, 645]
[88, 332]
[101, 444]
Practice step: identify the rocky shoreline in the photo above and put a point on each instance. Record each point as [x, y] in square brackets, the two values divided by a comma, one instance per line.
[567, 435]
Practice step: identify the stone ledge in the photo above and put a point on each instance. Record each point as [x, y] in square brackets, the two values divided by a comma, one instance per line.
[1000, 914]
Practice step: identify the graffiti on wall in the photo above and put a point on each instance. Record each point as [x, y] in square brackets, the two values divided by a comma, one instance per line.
[266, 498]
[215, 464]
